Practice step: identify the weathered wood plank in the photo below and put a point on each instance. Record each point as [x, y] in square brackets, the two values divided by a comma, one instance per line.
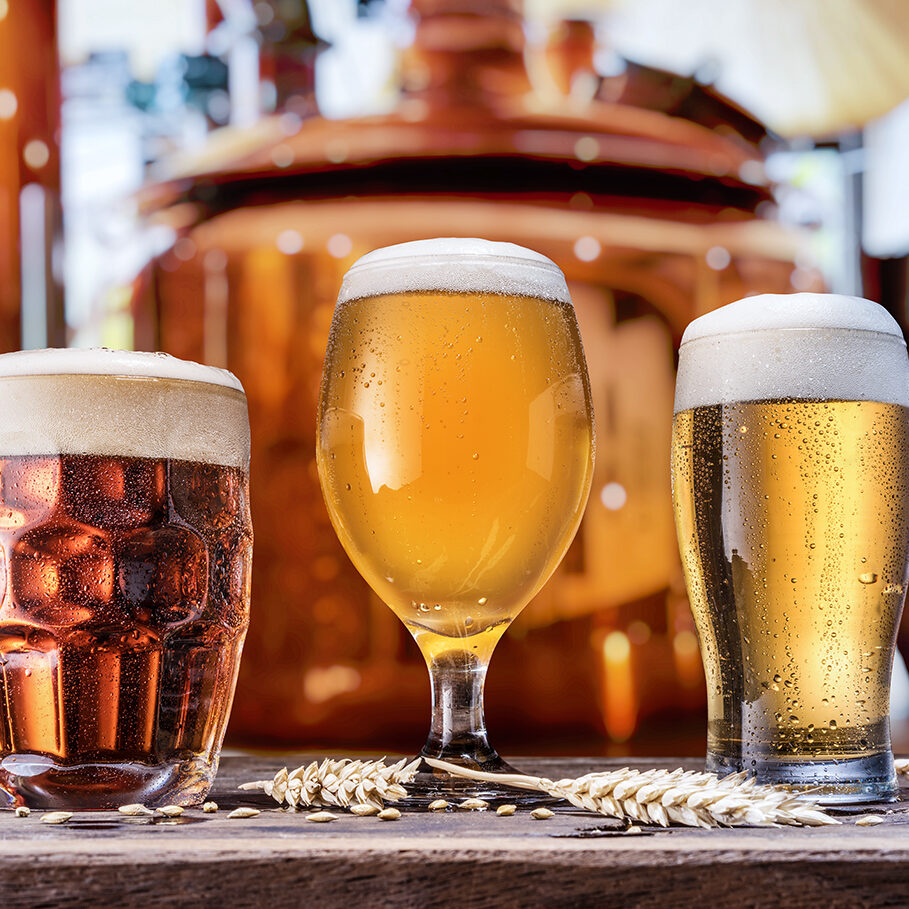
[279, 859]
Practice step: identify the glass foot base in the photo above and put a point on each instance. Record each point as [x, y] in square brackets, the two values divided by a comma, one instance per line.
[847, 781]
[429, 785]
[38, 781]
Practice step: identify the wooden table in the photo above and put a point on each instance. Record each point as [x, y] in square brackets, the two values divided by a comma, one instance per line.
[473, 860]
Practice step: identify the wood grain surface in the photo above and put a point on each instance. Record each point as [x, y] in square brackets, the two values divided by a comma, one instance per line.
[279, 859]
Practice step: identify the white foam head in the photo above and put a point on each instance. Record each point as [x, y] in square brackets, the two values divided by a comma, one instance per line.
[772, 346]
[102, 361]
[455, 265]
[114, 402]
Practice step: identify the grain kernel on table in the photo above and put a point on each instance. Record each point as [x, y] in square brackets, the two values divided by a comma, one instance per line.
[363, 810]
[438, 805]
[321, 817]
[506, 810]
[170, 811]
[541, 814]
[56, 817]
[473, 805]
[135, 810]
[869, 820]
[210, 807]
[23, 811]
[389, 814]
[243, 813]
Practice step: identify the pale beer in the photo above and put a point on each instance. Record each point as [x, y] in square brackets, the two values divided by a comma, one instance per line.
[455, 452]
[455, 449]
[126, 546]
[790, 481]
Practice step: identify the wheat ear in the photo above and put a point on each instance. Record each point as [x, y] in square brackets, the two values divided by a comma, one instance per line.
[667, 797]
[339, 782]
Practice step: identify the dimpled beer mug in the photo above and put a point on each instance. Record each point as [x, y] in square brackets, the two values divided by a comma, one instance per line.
[125, 568]
[790, 461]
[455, 450]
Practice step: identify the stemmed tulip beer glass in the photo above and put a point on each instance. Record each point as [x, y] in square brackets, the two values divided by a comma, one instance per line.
[455, 450]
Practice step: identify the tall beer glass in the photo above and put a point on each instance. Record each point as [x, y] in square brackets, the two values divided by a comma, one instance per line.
[790, 462]
[124, 575]
[455, 450]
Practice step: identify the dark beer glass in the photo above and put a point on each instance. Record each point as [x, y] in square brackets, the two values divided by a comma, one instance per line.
[125, 551]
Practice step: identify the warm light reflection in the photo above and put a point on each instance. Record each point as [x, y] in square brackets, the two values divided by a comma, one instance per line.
[324, 683]
[8, 104]
[339, 246]
[619, 702]
[687, 658]
[282, 155]
[36, 154]
[638, 632]
[586, 148]
[613, 496]
[587, 248]
[184, 249]
[718, 258]
[289, 242]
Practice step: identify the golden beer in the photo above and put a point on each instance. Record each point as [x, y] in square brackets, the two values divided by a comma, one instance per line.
[455, 453]
[794, 530]
[455, 450]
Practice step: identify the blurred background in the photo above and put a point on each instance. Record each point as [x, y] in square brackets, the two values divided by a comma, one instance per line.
[195, 176]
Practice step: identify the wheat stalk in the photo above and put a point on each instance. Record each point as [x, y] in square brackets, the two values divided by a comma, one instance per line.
[667, 797]
[339, 782]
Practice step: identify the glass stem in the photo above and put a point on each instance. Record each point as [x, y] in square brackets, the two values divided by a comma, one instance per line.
[458, 732]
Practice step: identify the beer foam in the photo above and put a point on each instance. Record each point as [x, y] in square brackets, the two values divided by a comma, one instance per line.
[455, 265]
[105, 402]
[772, 346]
[102, 361]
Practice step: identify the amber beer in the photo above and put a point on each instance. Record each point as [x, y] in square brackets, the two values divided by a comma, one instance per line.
[456, 453]
[126, 544]
[790, 481]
